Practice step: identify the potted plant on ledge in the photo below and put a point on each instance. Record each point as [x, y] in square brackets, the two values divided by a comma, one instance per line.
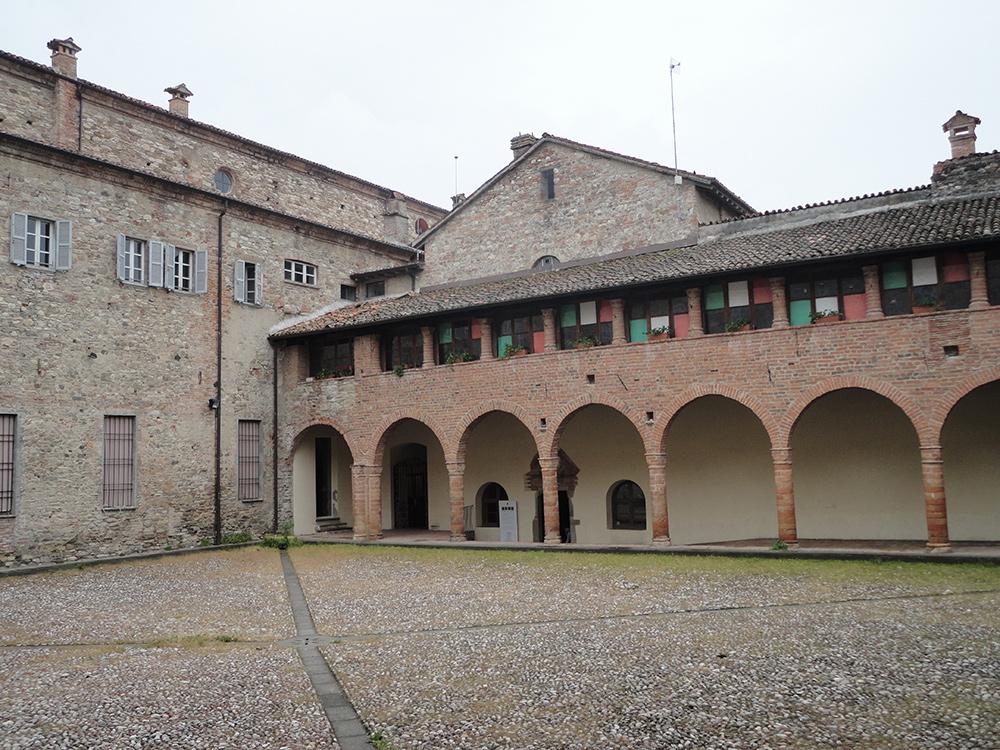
[514, 351]
[740, 324]
[660, 333]
[454, 357]
[585, 342]
[823, 317]
[924, 303]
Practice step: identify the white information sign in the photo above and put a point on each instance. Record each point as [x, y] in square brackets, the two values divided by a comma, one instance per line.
[508, 521]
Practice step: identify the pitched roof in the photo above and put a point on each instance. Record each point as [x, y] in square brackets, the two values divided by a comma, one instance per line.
[710, 184]
[926, 223]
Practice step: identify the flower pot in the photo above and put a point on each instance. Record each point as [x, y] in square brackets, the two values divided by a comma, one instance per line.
[658, 337]
[521, 353]
[918, 309]
[827, 320]
[745, 327]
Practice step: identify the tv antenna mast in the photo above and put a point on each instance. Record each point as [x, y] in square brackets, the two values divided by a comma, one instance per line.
[673, 117]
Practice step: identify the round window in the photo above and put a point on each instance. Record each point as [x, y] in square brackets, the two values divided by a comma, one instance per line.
[546, 263]
[223, 181]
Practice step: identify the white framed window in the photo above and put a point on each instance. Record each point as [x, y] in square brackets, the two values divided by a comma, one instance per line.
[40, 243]
[248, 283]
[183, 270]
[248, 460]
[118, 485]
[133, 261]
[299, 272]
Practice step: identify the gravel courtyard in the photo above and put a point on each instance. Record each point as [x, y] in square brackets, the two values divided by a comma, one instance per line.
[495, 649]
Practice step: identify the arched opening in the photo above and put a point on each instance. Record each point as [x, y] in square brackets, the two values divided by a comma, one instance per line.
[321, 481]
[720, 478]
[970, 446]
[626, 506]
[488, 501]
[856, 469]
[498, 450]
[606, 448]
[414, 478]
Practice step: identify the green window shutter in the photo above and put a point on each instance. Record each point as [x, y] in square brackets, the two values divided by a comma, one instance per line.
[799, 311]
[502, 343]
[714, 299]
[444, 333]
[894, 275]
[567, 315]
[637, 330]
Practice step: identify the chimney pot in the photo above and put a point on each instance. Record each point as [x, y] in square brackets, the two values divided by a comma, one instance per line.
[457, 200]
[521, 143]
[64, 55]
[961, 130]
[179, 96]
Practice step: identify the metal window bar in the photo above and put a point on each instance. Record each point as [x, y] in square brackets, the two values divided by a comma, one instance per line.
[119, 463]
[7, 422]
[248, 460]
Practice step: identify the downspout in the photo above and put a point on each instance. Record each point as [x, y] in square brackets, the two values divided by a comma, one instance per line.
[217, 522]
[274, 433]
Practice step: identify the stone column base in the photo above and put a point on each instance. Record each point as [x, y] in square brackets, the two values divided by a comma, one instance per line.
[553, 539]
[662, 540]
[938, 547]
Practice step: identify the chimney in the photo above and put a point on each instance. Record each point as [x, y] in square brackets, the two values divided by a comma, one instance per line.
[395, 220]
[64, 56]
[521, 143]
[179, 95]
[961, 130]
[457, 200]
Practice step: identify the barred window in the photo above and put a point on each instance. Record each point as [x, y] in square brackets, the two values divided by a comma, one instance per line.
[119, 463]
[248, 459]
[7, 424]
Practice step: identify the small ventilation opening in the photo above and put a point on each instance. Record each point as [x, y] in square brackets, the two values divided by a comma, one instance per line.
[649, 417]
[591, 378]
[951, 350]
[542, 423]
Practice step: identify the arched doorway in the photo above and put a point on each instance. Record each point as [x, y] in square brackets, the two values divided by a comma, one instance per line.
[970, 446]
[409, 486]
[321, 481]
[856, 469]
[414, 483]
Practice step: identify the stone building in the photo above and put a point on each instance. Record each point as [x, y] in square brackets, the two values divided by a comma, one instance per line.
[202, 335]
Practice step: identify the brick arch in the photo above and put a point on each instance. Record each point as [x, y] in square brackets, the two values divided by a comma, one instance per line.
[921, 425]
[376, 448]
[348, 436]
[755, 405]
[950, 400]
[550, 447]
[455, 450]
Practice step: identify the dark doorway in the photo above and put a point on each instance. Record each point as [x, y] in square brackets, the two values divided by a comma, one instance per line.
[324, 484]
[409, 490]
[564, 517]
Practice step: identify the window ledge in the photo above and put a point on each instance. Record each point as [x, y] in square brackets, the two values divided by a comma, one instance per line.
[120, 510]
[301, 283]
[254, 501]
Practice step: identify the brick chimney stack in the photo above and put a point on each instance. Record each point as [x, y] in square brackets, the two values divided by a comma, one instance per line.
[521, 143]
[961, 130]
[179, 96]
[64, 55]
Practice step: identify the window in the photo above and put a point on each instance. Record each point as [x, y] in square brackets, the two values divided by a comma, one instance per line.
[545, 263]
[348, 292]
[119, 463]
[735, 304]
[223, 181]
[628, 506]
[549, 183]
[931, 282]
[404, 349]
[247, 283]
[330, 357]
[300, 273]
[841, 293]
[585, 324]
[375, 289]
[993, 277]
[459, 341]
[38, 243]
[7, 425]
[490, 496]
[658, 311]
[248, 459]
[183, 270]
[135, 261]
[520, 332]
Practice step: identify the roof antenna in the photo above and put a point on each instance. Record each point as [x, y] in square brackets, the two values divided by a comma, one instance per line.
[673, 118]
[456, 174]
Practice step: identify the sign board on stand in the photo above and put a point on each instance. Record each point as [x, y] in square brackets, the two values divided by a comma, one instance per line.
[508, 521]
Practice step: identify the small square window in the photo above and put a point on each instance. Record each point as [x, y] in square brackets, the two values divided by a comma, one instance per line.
[375, 289]
[348, 292]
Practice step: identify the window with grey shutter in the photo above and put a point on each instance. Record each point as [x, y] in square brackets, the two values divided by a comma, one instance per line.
[119, 463]
[169, 266]
[64, 244]
[240, 281]
[183, 270]
[200, 271]
[120, 265]
[18, 233]
[248, 459]
[7, 424]
[247, 286]
[155, 263]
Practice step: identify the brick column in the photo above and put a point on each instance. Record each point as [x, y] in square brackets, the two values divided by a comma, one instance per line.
[428, 335]
[979, 298]
[485, 339]
[695, 327]
[782, 460]
[367, 353]
[618, 334]
[550, 499]
[935, 505]
[359, 500]
[657, 464]
[456, 499]
[873, 293]
[549, 326]
[374, 485]
[779, 304]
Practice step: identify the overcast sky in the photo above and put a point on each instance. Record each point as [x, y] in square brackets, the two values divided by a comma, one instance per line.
[786, 103]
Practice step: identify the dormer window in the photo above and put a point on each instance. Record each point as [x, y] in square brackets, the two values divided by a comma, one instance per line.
[545, 263]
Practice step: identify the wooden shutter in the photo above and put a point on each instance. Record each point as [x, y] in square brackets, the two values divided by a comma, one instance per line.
[169, 266]
[18, 239]
[121, 257]
[64, 242]
[240, 281]
[155, 263]
[259, 279]
[201, 271]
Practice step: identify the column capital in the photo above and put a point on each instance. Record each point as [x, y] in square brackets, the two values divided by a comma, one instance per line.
[548, 463]
[657, 460]
[781, 455]
[930, 454]
[455, 467]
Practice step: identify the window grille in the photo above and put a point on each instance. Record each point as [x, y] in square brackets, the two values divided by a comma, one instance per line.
[7, 423]
[119, 463]
[248, 459]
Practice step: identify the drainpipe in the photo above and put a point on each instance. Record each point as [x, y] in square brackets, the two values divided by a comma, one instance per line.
[217, 523]
[274, 433]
